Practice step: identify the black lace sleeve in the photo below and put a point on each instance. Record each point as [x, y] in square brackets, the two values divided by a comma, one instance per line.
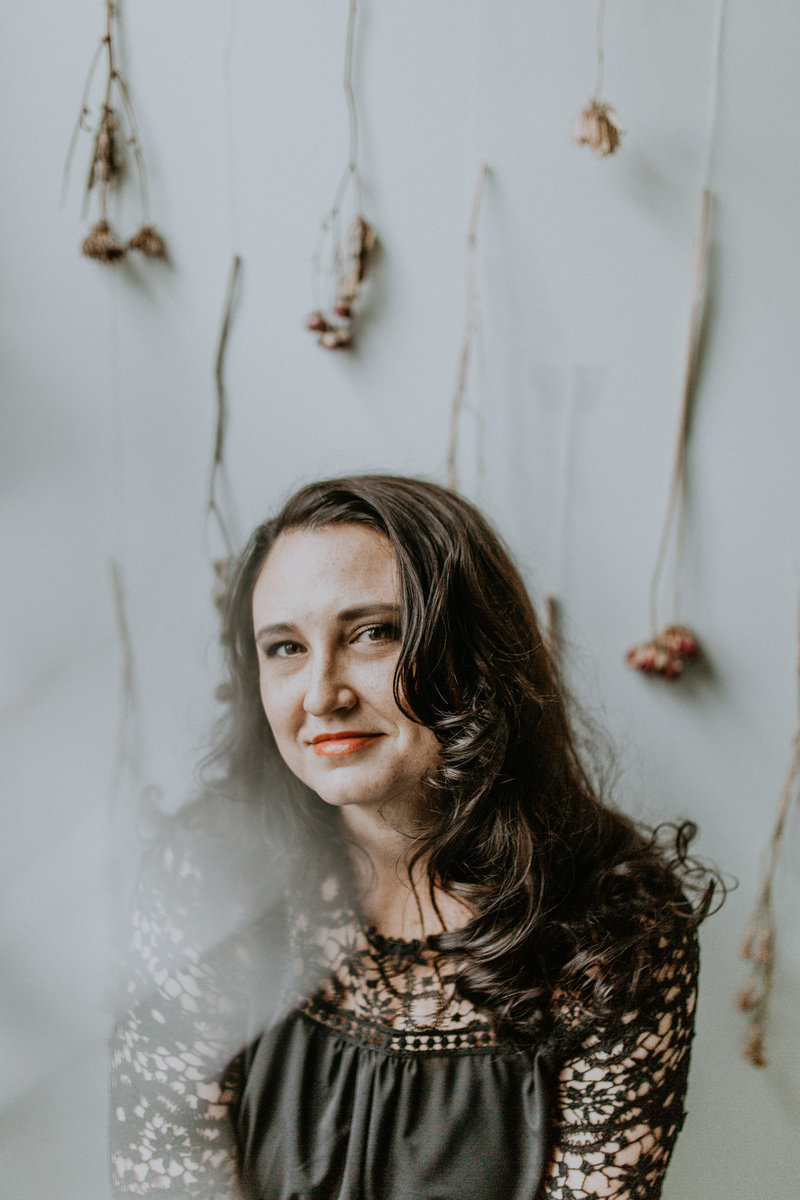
[620, 1103]
[175, 1074]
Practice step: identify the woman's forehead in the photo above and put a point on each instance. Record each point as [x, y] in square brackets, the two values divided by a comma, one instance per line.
[335, 564]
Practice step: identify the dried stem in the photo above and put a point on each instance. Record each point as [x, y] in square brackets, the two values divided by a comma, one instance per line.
[128, 755]
[471, 323]
[213, 507]
[759, 940]
[676, 506]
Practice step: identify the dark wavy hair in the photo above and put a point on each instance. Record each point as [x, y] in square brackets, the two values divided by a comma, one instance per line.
[566, 893]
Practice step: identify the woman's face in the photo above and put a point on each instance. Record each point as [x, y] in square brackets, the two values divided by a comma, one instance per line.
[326, 615]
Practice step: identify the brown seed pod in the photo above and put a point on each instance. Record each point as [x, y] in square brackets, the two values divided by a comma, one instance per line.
[597, 127]
[148, 241]
[103, 244]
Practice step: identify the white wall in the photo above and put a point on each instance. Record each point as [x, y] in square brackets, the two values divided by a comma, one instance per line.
[584, 271]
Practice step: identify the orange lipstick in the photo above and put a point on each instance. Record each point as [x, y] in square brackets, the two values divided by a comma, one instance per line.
[333, 745]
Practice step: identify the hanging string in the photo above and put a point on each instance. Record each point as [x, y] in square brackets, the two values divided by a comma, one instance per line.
[472, 324]
[213, 508]
[758, 947]
[601, 56]
[230, 124]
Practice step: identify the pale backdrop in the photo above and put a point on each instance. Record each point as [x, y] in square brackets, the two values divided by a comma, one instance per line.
[584, 269]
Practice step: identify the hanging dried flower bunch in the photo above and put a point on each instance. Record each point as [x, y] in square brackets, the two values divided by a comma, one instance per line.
[758, 946]
[668, 652]
[107, 166]
[344, 261]
[597, 126]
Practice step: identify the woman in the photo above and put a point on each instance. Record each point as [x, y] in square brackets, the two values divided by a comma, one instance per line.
[492, 977]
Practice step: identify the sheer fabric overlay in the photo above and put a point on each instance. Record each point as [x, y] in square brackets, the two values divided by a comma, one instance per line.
[618, 1090]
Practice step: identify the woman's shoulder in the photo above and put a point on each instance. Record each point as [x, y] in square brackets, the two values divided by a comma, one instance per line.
[649, 990]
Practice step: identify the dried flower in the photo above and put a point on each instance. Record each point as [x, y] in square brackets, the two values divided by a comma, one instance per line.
[103, 244]
[598, 128]
[666, 653]
[148, 241]
[316, 322]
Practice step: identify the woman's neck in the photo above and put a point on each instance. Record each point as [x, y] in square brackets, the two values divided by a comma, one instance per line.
[383, 848]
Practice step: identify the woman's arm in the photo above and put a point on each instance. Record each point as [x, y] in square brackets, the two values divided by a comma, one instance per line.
[174, 1071]
[620, 1101]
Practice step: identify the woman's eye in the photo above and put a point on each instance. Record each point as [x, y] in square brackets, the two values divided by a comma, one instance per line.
[378, 633]
[283, 650]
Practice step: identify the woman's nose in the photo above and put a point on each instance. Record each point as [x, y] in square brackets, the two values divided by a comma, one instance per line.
[328, 688]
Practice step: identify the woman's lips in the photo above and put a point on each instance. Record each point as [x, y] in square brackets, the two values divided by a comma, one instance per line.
[332, 745]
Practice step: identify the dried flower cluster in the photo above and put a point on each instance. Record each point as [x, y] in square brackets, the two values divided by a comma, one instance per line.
[335, 331]
[107, 166]
[598, 128]
[665, 654]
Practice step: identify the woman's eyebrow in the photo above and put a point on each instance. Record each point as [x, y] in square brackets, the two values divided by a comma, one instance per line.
[356, 613]
[376, 608]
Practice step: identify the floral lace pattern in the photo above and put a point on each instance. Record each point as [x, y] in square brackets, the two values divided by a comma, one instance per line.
[175, 1074]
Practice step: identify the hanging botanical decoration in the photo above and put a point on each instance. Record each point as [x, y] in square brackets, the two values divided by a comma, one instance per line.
[342, 260]
[221, 565]
[472, 327]
[114, 129]
[758, 947]
[597, 125]
[667, 652]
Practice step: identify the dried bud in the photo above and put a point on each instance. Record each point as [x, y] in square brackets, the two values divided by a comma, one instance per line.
[148, 242]
[224, 693]
[336, 338]
[317, 323]
[754, 1048]
[103, 244]
[104, 163]
[764, 949]
[343, 308]
[747, 943]
[748, 997]
[680, 641]
[597, 127]
[362, 243]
